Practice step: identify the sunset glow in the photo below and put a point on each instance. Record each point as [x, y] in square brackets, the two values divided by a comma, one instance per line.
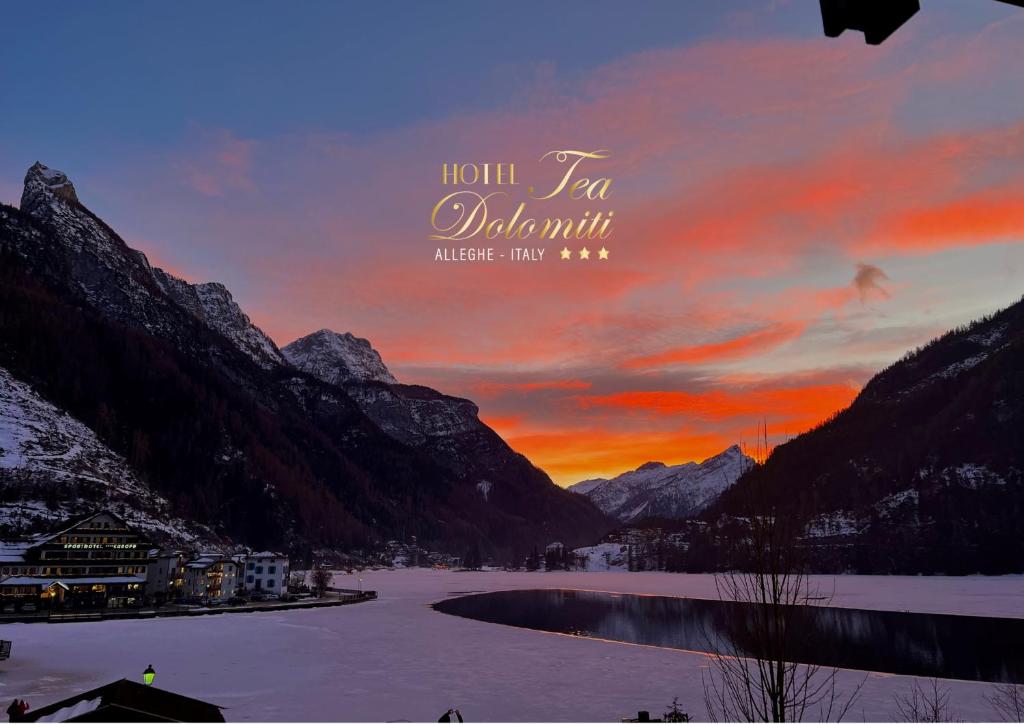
[792, 214]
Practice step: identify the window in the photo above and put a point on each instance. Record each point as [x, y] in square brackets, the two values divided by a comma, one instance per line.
[250, 565]
[259, 569]
[270, 583]
[248, 579]
[271, 569]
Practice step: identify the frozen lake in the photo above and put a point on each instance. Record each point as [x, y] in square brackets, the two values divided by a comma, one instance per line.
[397, 658]
[950, 646]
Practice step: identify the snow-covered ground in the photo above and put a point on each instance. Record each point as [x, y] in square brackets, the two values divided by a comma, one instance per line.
[396, 658]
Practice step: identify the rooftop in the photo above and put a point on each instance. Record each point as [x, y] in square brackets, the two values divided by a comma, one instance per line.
[126, 700]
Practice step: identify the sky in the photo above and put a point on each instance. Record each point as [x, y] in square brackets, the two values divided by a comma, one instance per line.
[793, 212]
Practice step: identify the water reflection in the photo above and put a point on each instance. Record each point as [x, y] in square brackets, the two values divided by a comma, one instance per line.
[958, 647]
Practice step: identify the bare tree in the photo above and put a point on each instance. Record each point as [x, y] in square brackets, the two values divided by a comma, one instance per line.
[1008, 700]
[296, 581]
[752, 677]
[320, 579]
[926, 704]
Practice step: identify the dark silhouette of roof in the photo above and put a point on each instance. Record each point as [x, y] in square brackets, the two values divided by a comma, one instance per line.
[877, 19]
[128, 701]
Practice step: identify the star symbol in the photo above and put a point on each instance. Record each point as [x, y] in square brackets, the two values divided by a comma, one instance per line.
[584, 253]
[602, 253]
[566, 254]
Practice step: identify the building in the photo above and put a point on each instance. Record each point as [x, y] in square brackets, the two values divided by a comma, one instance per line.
[266, 572]
[212, 578]
[127, 701]
[94, 561]
[165, 577]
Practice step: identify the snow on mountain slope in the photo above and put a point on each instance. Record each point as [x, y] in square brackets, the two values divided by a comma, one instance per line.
[338, 358]
[671, 491]
[55, 466]
[213, 304]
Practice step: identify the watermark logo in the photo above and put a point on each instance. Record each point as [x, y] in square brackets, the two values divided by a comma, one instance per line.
[487, 218]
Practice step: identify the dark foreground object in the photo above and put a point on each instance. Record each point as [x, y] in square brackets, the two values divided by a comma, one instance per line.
[128, 701]
[877, 19]
[948, 646]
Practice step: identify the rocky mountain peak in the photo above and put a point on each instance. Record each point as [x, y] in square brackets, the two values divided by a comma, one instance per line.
[338, 358]
[213, 304]
[653, 465]
[733, 451]
[670, 491]
[43, 184]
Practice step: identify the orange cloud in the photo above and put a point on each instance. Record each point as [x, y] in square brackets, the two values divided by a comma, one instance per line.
[801, 405]
[492, 389]
[977, 219]
[569, 456]
[596, 447]
[745, 345]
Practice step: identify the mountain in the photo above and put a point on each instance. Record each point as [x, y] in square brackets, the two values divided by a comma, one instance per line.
[50, 461]
[415, 415]
[175, 378]
[666, 491]
[338, 358]
[445, 429]
[923, 472]
[213, 304]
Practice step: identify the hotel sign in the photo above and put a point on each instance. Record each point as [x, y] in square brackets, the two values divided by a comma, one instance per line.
[93, 546]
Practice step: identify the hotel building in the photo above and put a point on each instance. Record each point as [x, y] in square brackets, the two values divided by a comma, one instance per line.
[89, 562]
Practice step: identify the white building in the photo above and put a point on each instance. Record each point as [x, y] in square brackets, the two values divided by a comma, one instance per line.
[265, 572]
[211, 577]
[165, 576]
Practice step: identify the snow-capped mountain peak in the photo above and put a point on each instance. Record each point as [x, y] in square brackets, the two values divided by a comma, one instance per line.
[338, 358]
[671, 491]
[43, 183]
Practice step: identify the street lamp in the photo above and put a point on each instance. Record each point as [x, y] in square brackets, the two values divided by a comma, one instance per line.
[149, 674]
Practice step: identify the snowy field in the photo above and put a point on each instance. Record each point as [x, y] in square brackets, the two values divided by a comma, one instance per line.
[397, 659]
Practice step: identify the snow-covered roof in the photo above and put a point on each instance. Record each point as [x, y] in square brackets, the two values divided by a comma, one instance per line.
[68, 713]
[161, 553]
[265, 554]
[14, 551]
[208, 560]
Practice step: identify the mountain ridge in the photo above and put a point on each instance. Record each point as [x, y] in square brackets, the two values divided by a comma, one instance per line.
[266, 452]
[665, 491]
[923, 472]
